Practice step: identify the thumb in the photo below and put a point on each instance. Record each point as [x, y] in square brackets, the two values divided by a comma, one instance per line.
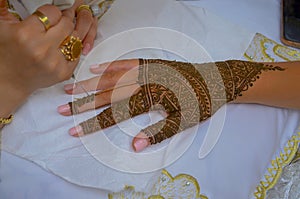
[140, 142]
[157, 132]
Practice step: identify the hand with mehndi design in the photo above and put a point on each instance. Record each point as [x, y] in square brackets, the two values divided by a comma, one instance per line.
[187, 93]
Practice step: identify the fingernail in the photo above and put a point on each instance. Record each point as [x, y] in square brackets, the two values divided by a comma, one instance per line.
[75, 131]
[140, 143]
[69, 87]
[64, 109]
[86, 49]
[95, 66]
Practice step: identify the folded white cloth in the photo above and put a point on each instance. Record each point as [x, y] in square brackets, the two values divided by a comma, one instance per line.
[165, 29]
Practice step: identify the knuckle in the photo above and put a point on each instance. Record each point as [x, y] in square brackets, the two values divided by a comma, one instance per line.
[51, 11]
[36, 50]
[70, 25]
[37, 56]
[51, 66]
[86, 15]
[64, 75]
[21, 35]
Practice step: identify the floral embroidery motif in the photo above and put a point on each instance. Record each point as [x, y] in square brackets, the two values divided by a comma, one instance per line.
[182, 186]
[274, 172]
[263, 49]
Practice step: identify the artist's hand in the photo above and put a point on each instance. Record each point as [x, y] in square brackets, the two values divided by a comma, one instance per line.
[187, 93]
[30, 55]
[86, 25]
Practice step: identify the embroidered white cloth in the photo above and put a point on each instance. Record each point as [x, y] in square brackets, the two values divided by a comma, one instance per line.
[157, 29]
[288, 185]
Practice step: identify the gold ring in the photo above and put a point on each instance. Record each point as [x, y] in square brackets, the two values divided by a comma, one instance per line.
[43, 18]
[71, 47]
[84, 7]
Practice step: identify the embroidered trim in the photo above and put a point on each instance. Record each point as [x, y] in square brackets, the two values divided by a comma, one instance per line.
[189, 186]
[264, 49]
[180, 186]
[274, 172]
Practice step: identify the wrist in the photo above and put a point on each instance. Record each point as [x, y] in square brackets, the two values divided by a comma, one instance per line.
[12, 96]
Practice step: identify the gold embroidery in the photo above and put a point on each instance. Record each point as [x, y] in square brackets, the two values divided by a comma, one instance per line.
[286, 54]
[277, 165]
[181, 186]
[128, 193]
[263, 49]
[297, 156]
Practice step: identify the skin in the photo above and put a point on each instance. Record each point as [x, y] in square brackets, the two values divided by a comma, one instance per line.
[30, 55]
[86, 25]
[118, 79]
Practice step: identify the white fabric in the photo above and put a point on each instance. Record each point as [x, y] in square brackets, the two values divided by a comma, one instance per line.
[32, 5]
[40, 134]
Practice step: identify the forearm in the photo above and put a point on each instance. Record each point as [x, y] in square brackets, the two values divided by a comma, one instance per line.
[279, 89]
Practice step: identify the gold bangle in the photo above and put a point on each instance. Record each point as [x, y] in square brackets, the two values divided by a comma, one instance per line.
[6, 120]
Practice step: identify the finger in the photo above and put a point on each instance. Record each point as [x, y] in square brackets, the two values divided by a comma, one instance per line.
[118, 112]
[71, 12]
[88, 42]
[84, 21]
[51, 12]
[157, 132]
[54, 39]
[114, 66]
[106, 81]
[60, 32]
[98, 100]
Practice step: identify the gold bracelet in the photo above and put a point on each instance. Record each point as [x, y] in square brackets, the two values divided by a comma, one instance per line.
[6, 120]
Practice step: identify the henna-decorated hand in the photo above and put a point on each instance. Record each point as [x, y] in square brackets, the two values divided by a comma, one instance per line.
[187, 93]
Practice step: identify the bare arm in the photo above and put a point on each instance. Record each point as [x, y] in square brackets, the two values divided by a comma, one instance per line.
[279, 89]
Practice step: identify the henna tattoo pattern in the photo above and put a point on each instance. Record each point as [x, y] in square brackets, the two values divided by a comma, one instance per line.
[74, 106]
[188, 93]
